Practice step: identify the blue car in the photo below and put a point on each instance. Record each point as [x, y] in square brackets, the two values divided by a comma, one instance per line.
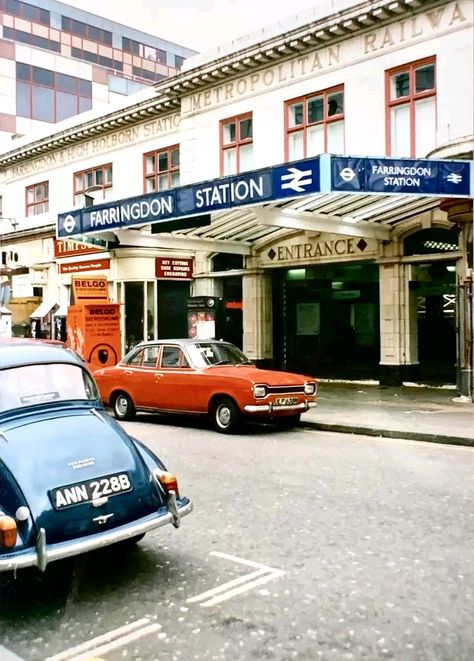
[71, 479]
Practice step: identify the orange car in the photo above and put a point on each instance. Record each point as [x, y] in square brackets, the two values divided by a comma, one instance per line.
[203, 377]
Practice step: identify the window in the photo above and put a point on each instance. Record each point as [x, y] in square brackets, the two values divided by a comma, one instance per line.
[315, 124]
[142, 50]
[411, 109]
[37, 199]
[99, 178]
[173, 357]
[161, 169]
[25, 10]
[236, 137]
[87, 31]
[50, 96]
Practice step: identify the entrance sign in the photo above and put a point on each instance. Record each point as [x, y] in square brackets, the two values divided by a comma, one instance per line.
[325, 174]
[406, 176]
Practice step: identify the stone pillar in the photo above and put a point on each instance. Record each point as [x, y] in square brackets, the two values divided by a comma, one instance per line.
[398, 328]
[258, 318]
[203, 284]
[460, 212]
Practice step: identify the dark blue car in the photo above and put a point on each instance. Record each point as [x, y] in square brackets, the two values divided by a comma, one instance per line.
[71, 479]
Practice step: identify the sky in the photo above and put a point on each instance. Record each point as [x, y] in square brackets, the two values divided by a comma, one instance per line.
[198, 24]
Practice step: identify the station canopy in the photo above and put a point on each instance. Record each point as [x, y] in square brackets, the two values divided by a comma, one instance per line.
[355, 196]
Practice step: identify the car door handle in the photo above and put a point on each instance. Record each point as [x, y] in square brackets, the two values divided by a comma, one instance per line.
[159, 376]
[128, 372]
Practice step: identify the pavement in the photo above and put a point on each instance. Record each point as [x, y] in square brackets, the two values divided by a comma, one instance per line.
[422, 413]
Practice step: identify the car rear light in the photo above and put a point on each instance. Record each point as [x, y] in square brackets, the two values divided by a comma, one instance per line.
[169, 482]
[310, 388]
[7, 531]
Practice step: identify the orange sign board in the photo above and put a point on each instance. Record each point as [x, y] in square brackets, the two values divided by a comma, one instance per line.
[69, 247]
[79, 267]
[89, 289]
[93, 331]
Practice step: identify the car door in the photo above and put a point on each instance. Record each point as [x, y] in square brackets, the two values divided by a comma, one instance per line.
[177, 381]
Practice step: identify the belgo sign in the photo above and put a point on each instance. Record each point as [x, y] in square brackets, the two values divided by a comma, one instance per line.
[322, 174]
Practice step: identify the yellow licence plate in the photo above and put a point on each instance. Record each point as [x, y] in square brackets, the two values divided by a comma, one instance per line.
[285, 401]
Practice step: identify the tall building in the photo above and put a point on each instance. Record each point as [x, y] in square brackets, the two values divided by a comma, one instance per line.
[57, 61]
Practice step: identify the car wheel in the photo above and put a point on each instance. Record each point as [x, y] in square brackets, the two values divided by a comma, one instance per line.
[225, 415]
[123, 407]
[289, 421]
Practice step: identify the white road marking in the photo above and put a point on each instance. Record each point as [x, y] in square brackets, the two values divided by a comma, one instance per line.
[107, 641]
[236, 586]
[226, 586]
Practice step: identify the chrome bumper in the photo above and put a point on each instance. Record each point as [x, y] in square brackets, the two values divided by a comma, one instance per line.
[269, 408]
[43, 554]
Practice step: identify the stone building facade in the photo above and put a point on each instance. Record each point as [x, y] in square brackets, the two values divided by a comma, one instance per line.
[348, 284]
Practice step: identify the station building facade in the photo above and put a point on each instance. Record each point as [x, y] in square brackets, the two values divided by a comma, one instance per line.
[335, 284]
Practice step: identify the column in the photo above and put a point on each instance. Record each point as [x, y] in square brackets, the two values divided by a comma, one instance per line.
[460, 212]
[398, 327]
[258, 318]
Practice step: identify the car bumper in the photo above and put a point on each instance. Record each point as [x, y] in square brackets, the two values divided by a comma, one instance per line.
[43, 554]
[270, 408]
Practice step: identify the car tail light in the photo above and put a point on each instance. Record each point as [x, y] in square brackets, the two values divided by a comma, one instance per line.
[7, 531]
[169, 482]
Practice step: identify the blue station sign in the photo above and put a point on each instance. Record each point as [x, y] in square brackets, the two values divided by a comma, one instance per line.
[406, 176]
[290, 180]
[322, 174]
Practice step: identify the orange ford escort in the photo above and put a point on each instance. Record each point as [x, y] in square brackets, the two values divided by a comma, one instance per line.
[203, 377]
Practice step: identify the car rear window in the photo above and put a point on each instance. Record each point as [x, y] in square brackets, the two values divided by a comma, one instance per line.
[30, 385]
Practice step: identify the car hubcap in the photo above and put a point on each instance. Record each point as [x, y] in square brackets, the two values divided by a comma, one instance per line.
[122, 406]
[223, 416]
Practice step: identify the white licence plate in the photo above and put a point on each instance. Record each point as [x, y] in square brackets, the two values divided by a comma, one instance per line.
[285, 401]
[84, 492]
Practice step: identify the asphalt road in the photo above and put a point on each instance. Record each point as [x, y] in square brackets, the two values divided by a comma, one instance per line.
[302, 545]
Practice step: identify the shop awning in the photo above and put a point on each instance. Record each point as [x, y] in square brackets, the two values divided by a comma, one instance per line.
[61, 311]
[43, 309]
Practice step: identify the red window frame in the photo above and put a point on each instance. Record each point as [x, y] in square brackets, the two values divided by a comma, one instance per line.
[236, 144]
[98, 178]
[155, 173]
[40, 204]
[410, 99]
[326, 121]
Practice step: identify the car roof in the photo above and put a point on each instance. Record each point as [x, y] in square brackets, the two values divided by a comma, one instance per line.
[177, 340]
[17, 351]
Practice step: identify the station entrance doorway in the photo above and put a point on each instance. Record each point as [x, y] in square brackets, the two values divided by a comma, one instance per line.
[433, 284]
[326, 320]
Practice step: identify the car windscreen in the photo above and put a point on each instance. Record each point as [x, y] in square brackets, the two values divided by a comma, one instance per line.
[34, 385]
[204, 354]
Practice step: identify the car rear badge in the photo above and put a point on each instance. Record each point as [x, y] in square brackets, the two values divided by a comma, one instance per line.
[100, 520]
[81, 463]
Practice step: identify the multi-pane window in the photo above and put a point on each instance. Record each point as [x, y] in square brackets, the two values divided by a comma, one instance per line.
[50, 96]
[315, 124]
[94, 179]
[37, 198]
[161, 169]
[411, 109]
[236, 135]
[25, 10]
[86, 31]
[142, 50]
